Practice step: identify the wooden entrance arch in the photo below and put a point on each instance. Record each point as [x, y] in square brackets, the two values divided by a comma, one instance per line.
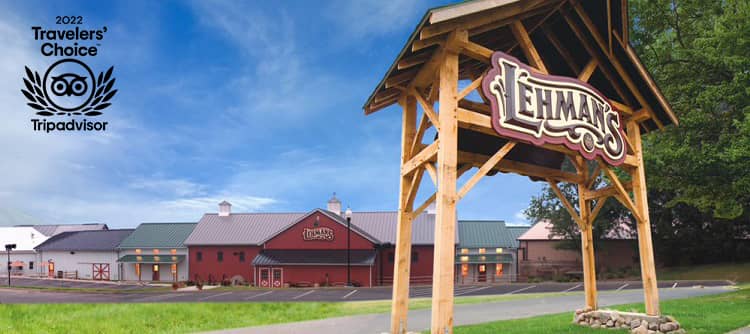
[585, 40]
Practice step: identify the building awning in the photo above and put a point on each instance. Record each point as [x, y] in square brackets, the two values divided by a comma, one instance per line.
[484, 258]
[325, 257]
[17, 264]
[152, 258]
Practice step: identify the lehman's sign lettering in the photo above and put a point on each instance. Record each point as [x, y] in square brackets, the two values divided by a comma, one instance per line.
[542, 109]
[317, 233]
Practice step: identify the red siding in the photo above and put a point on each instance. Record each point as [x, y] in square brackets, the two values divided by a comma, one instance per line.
[209, 266]
[544, 259]
[331, 275]
[421, 269]
[292, 237]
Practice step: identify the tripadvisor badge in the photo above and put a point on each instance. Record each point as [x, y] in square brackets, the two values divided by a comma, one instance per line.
[68, 89]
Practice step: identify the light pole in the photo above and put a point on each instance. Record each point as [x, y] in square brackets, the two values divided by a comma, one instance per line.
[348, 247]
[8, 248]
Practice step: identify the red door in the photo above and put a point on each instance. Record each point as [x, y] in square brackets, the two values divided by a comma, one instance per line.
[101, 271]
[264, 277]
[155, 270]
[482, 273]
[277, 277]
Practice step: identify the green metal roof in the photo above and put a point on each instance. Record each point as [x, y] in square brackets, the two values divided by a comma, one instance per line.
[169, 258]
[488, 234]
[159, 235]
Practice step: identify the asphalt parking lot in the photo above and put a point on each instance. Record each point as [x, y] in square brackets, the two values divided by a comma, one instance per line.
[130, 293]
[66, 283]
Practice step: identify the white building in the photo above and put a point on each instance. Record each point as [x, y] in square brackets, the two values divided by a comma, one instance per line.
[24, 259]
[84, 254]
[156, 252]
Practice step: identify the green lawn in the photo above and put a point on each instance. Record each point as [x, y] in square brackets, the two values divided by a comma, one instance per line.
[737, 272]
[191, 317]
[710, 314]
[700, 315]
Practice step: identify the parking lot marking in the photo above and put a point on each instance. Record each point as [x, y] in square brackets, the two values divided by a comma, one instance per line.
[473, 290]
[158, 297]
[573, 288]
[519, 290]
[349, 294]
[216, 295]
[304, 294]
[260, 294]
[622, 287]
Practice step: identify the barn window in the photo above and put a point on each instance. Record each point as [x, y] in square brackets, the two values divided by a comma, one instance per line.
[391, 257]
[220, 256]
[242, 256]
[414, 257]
[31, 265]
[199, 256]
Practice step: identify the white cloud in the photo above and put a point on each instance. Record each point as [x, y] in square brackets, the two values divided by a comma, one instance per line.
[368, 18]
[209, 204]
[519, 219]
[280, 83]
[82, 177]
[172, 187]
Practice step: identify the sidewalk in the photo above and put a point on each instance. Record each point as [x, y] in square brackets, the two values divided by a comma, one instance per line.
[419, 320]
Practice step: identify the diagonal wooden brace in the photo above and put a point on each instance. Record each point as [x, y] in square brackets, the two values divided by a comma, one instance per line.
[566, 203]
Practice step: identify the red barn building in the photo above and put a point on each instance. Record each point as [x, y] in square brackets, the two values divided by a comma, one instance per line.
[541, 256]
[295, 249]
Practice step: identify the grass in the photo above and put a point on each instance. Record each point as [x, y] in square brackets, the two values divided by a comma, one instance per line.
[699, 315]
[708, 314]
[737, 272]
[191, 317]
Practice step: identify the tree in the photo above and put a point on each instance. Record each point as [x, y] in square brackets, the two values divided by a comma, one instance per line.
[698, 173]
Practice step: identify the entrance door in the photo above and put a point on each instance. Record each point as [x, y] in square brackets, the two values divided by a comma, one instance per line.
[155, 270]
[264, 277]
[482, 273]
[100, 271]
[277, 277]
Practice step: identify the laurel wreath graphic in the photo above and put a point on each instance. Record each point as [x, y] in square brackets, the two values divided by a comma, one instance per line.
[35, 95]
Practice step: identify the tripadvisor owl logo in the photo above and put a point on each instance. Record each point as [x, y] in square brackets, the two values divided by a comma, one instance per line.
[68, 91]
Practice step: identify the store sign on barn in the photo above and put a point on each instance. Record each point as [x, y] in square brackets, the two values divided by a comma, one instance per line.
[317, 233]
[540, 109]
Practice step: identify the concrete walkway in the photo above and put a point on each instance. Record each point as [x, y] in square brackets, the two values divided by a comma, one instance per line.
[743, 330]
[470, 314]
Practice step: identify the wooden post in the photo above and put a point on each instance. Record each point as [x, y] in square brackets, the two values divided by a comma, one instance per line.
[400, 307]
[445, 221]
[587, 242]
[645, 245]
[589, 263]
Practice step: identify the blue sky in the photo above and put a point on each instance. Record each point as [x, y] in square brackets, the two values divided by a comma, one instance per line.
[258, 103]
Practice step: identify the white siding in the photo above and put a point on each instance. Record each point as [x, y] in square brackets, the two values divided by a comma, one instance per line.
[165, 272]
[27, 257]
[83, 261]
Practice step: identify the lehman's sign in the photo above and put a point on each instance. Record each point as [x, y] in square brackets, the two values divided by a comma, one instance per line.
[542, 109]
[317, 233]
